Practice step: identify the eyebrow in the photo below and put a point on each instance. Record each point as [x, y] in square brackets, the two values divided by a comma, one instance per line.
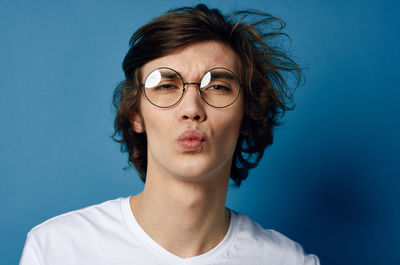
[169, 74]
[225, 75]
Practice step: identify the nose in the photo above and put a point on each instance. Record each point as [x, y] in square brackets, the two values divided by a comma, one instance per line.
[191, 106]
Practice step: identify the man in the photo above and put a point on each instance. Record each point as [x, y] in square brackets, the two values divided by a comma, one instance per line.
[201, 93]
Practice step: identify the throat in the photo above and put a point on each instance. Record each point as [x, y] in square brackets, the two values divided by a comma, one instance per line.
[185, 222]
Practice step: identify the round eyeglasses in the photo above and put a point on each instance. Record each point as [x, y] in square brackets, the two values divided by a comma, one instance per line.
[164, 87]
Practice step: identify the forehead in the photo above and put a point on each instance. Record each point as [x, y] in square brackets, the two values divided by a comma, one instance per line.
[193, 60]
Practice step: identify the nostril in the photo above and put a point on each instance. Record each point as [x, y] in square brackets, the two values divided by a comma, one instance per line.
[195, 118]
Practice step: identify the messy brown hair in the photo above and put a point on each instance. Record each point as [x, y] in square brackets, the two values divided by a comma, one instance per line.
[255, 36]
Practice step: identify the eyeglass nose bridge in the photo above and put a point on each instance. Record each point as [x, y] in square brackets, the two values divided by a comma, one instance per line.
[192, 83]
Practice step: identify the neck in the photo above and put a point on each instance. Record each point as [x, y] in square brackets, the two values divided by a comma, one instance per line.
[185, 218]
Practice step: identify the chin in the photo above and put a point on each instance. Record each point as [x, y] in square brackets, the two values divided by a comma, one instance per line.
[194, 172]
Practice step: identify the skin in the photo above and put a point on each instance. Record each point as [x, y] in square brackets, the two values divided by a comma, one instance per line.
[182, 206]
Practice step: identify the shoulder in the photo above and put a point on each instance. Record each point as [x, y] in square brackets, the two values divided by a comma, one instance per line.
[95, 217]
[77, 237]
[270, 244]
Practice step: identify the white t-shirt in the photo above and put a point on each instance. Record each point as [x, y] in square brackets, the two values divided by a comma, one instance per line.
[108, 234]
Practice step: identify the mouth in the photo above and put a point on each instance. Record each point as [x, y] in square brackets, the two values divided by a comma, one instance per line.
[191, 140]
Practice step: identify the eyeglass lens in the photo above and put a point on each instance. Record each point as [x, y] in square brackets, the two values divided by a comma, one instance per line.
[164, 87]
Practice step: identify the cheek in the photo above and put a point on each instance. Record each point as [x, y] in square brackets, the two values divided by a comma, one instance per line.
[228, 133]
[155, 122]
[156, 126]
[231, 125]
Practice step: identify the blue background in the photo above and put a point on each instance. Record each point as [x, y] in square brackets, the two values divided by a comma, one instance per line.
[330, 181]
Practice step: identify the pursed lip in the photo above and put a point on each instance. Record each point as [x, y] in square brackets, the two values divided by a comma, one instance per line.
[191, 140]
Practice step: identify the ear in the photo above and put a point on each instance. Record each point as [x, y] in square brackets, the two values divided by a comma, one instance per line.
[137, 122]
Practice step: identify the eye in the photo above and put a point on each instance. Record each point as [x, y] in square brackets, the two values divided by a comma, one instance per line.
[217, 88]
[166, 87]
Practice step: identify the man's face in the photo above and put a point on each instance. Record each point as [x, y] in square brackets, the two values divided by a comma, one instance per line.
[191, 141]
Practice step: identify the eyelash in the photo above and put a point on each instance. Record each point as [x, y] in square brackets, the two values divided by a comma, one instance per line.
[166, 87]
[224, 88]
